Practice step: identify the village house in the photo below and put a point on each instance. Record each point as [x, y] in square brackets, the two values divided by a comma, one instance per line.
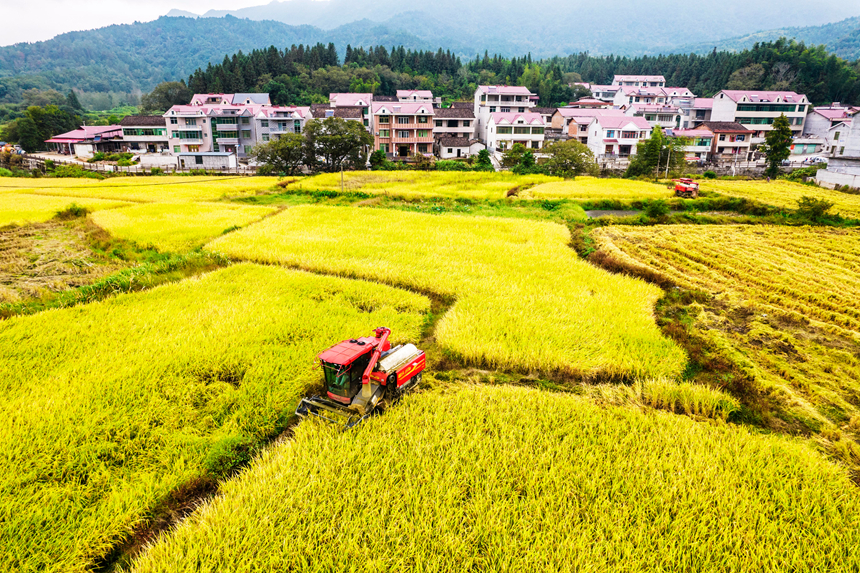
[828, 123]
[694, 111]
[415, 96]
[144, 134]
[505, 129]
[665, 116]
[450, 147]
[360, 100]
[639, 81]
[646, 95]
[616, 136]
[843, 166]
[699, 143]
[499, 99]
[589, 102]
[600, 92]
[275, 121]
[758, 109]
[88, 140]
[454, 122]
[403, 129]
[573, 122]
[731, 140]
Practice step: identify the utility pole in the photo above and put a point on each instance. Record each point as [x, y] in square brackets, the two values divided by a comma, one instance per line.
[341, 178]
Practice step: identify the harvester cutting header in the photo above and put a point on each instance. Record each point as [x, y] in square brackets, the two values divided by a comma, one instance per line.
[360, 373]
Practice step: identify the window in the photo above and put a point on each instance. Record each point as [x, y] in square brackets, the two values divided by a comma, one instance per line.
[422, 119]
[505, 109]
[483, 97]
[438, 123]
[198, 159]
[450, 151]
[650, 117]
[174, 135]
[522, 110]
[246, 134]
[402, 119]
[722, 137]
[173, 121]
[836, 136]
[422, 133]
[630, 135]
[383, 119]
[366, 122]
[467, 123]
[503, 145]
[610, 133]
[384, 133]
[492, 109]
[190, 121]
[383, 147]
[521, 130]
[535, 144]
[505, 130]
[297, 126]
[537, 131]
[452, 123]
[422, 148]
[841, 150]
[403, 134]
[189, 134]
[175, 149]
[741, 138]
[246, 120]
[264, 123]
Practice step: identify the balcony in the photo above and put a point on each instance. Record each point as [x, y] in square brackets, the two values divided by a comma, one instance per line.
[186, 127]
[394, 126]
[227, 141]
[227, 126]
[189, 141]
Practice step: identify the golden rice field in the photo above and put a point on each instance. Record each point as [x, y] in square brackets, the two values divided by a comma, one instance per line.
[23, 208]
[596, 189]
[177, 226]
[109, 406]
[424, 184]
[784, 194]
[513, 479]
[524, 299]
[796, 291]
[145, 189]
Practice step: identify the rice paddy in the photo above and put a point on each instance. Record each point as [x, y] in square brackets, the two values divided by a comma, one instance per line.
[424, 184]
[145, 189]
[595, 189]
[177, 226]
[795, 296]
[524, 301]
[514, 479]
[21, 209]
[784, 194]
[109, 406]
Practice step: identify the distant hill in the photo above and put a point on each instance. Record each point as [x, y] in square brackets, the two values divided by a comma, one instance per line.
[841, 38]
[140, 55]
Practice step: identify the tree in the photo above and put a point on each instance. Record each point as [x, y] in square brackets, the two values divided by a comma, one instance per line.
[334, 143]
[484, 160]
[568, 159]
[656, 154]
[777, 145]
[747, 78]
[164, 96]
[284, 154]
[513, 156]
[377, 158]
[73, 102]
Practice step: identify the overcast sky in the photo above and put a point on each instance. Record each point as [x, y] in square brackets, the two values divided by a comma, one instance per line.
[34, 20]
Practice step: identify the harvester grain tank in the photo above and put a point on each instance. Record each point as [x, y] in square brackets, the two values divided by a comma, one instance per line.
[686, 188]
[362, 373]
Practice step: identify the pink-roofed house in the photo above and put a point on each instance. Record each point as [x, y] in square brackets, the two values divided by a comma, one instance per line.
[756, 110]
[414, 96]
[500, 99]
[573, 122]
[505, 129]
[616, 136]
[362, 100]
[87, 140]
[666, 116]
[402, 129]
[821, 120]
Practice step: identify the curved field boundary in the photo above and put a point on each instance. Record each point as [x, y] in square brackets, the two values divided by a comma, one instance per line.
[525, 302]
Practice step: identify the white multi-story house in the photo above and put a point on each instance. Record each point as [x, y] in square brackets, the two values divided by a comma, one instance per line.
[499, 99]
[828, 123]
[758, 109]
[616, 136]
[573, 122]
[627, 96]
[694, 111]
[666, 116]
[699, 142]
[675, 94]
[639, 81]
[505, 129]
[145, 133]
[843, 165]
[275, 121]
[600, 92]
[454, 122]
[416, 96]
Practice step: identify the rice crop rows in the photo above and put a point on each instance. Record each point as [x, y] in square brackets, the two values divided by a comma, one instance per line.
[423, 184]
[511, 479]
[795, 293]
[524, 300]
[596, 189]
[146, 189]
[177, 226]
[109, 406]
[21, 208]
[785, 194]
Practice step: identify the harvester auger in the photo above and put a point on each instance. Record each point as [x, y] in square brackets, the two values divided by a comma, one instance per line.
[359, 374]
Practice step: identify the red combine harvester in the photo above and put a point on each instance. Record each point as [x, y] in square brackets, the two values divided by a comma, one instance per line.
[686, 188]
[359, 374]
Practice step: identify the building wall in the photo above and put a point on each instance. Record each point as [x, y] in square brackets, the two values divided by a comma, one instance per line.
[494, 103]
[461, 129]
[500, 142]
[726, 109]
